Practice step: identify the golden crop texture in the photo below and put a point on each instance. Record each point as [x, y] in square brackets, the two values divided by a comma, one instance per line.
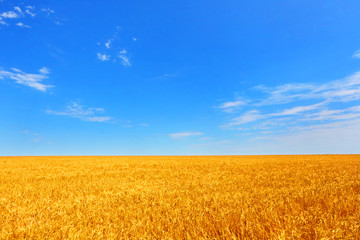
[194, 197]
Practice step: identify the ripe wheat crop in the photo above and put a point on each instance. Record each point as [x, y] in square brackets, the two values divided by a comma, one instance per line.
[213, 197]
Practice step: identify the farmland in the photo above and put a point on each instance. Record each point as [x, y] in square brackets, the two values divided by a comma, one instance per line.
[189, 197]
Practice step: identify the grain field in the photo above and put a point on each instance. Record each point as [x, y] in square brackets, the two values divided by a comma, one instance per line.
[202, 197]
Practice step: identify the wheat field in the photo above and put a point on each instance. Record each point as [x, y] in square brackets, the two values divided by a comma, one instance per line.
[202, 197]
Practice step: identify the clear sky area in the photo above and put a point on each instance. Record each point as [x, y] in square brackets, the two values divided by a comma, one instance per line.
[179, 77]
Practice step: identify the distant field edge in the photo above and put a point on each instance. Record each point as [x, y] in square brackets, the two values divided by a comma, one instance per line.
[137, 156]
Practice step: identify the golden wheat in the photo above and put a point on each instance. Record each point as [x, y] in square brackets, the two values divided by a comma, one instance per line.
[214, 197]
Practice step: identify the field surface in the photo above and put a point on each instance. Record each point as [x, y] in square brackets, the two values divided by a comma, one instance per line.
[214, 197]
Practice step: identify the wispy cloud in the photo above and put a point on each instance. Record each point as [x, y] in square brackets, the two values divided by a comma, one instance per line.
[166, 76]
[343, 90]
[298, 110]
[334, 114]
[84, 113]
[33, 80]
[249, 116]
[356, 54]
[35, 137]
[231, 106]
[180, 135]
[289, 107]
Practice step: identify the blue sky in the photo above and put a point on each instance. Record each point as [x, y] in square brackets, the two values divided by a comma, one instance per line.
[179, 77]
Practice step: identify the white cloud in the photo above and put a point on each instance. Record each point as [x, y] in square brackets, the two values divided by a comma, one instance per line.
[9, 14]
[48, 11]
[336, 137]
[169, 75]
[107, 44]
[299, 109]
[290, 107]
[356, 54]
[18, 9]
[97, 119]
[44, 70]
[340, 137]
[32, 80]
[343, 90]
[30, 13]
[8, 17]
[111, 50]
[103, 57]
[125, 61]
[232, 105]
[335, 114]
[247, 117]
[134, 39]
[76, 110]
[180, 135]
[166, 76]
[20, 24]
